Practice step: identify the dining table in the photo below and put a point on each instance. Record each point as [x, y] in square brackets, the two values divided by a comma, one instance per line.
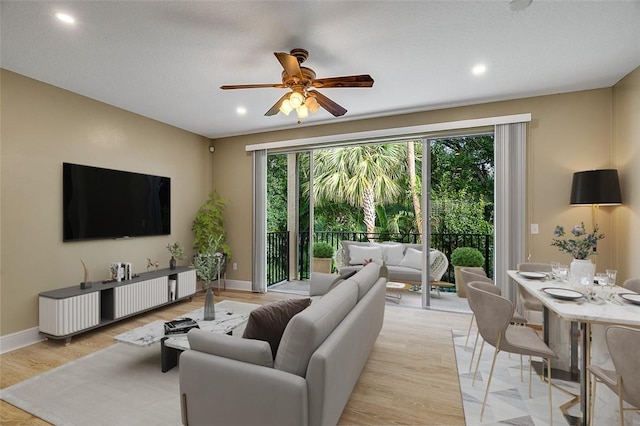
[590, 312]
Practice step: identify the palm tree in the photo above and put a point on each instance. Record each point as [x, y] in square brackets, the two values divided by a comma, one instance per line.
[413, 188]
[361, 176]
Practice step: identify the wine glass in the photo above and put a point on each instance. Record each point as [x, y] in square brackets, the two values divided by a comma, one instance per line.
[554, 269]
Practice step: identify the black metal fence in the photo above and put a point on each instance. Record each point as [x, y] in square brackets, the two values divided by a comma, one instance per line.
[278, 249]
[277, 257]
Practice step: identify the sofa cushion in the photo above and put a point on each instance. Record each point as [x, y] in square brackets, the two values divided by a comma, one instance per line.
[392, 253]
[366, 278]
[345, 249]
[412, 259]
[269, 321]
[358, 254]
[307, 330]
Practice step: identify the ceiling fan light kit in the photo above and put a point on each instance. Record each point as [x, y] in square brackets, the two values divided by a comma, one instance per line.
[301, 81]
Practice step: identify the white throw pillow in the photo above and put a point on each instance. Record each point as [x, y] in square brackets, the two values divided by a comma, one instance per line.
[392, 253]
[412, 259]
[358, 254]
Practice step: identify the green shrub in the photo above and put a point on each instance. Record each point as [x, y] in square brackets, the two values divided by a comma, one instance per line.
[323, 250]
[467, 256]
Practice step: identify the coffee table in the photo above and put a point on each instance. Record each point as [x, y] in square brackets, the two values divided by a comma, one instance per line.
[229, 316]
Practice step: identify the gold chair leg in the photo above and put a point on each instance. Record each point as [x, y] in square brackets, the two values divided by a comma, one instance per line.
[529, 375]
[486, 392]
[469, 331]
[473, 353]
[592, 400]
[473, 382]
[620, 403]
[550, 401]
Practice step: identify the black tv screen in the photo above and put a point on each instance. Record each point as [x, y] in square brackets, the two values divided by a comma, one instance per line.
[103, 203]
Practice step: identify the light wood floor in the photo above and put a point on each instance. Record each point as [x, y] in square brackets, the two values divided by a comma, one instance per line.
[409, 379]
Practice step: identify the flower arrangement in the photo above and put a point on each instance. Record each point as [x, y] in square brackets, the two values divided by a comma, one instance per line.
[176, 251]
[580, 247]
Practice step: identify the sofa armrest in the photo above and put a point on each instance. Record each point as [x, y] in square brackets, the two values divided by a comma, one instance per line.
[215, 390]
[246, 350]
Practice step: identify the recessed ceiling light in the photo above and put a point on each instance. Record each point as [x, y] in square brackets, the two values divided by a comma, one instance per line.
[241, 110]
[65, 17]
[479, 69]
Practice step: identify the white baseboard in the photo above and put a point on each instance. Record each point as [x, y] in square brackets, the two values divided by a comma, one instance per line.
[20, 339]
[239, 285]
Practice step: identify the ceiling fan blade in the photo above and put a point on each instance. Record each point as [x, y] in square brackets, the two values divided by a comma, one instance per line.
[253, 86]
[326, 103]
[363, 80]
[276, 107]
[289, 63]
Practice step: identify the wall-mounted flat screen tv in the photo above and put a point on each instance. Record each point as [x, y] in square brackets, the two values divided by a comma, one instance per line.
[103, 203]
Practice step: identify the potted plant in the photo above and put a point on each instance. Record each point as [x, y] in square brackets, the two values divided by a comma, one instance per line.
[465, 257]
[177, 253]
[209, 222]
[322, 257]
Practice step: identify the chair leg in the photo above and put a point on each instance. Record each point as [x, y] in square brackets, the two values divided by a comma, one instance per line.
[473, 353]
[486, 392]
[529, 373]
[469, 331]
[473, 382]
[620, 403]
[550, 401]
[592, 400]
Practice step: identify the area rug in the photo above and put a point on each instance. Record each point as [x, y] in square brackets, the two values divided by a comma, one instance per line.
[119, 385]
[508, 401]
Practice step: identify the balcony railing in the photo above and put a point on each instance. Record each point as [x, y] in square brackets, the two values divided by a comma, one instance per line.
[278, 249]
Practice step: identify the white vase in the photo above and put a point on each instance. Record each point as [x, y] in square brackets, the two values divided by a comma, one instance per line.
[582, 272]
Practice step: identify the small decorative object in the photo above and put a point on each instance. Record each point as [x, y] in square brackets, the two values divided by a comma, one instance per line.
[85, 282]
[119, 271]
[177, 253]
[207, 264]
[151, 264]
[580, 247]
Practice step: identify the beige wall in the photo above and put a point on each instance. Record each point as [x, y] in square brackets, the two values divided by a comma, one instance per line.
[568, 133]
[626, 130]
[44, 126]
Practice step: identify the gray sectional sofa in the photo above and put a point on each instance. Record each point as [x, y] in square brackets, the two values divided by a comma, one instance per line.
[226, 380]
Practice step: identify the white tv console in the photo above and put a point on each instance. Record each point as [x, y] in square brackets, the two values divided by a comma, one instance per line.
[68, 311]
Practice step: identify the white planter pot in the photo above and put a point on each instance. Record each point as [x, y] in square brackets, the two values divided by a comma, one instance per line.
[582, 272]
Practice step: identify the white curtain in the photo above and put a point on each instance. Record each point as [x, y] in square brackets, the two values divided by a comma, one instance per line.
[259, 247]
[510, 197]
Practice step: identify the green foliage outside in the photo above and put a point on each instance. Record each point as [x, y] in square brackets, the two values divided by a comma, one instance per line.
[368, 188]
[467, 256]
[322, 250]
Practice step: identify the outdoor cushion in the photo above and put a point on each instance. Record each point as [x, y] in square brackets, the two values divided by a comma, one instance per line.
[358, 255]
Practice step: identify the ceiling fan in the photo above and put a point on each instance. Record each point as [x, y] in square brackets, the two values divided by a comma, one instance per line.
[301, 81]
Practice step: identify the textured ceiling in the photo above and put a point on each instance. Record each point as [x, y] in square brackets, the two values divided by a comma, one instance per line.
[167, 59]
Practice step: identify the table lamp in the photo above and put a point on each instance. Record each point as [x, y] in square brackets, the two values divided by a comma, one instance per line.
[596, 188]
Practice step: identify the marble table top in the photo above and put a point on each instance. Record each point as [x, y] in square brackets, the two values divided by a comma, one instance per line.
[229, 315]
[615, 311]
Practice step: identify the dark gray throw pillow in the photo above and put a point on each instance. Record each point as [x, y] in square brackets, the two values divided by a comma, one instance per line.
[269, 321]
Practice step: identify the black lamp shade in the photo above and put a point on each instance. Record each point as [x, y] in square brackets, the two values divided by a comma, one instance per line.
[596, 187]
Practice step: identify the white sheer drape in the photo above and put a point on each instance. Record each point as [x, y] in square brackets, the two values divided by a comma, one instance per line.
[259, 247]
[510, 197]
